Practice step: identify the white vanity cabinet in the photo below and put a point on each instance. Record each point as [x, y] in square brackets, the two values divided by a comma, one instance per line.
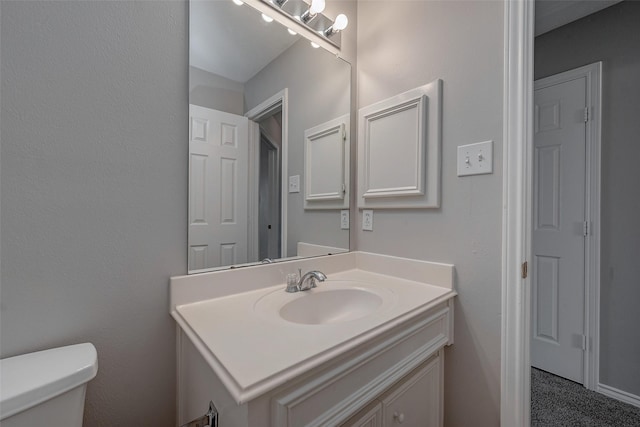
[263, 369]
[400, 372]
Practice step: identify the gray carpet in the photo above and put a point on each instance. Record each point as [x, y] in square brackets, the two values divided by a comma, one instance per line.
[556, 401]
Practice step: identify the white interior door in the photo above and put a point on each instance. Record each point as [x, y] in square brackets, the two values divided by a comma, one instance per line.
[558, 270]
[218, 188]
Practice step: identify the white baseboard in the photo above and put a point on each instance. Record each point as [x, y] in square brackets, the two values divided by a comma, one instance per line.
[620, 395]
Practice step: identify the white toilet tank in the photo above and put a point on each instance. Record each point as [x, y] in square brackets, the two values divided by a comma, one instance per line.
[46, 388]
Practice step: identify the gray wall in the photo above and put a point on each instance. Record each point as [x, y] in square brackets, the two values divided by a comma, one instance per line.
[216, 92]
[405, 44]
[93, 192]
[319, 90]
[612, 36]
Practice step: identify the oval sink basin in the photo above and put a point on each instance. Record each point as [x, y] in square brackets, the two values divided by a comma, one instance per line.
[331, 306]
[332, 302]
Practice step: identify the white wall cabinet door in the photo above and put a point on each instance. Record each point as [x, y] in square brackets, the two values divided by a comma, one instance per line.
[218, 188]
[399, 143]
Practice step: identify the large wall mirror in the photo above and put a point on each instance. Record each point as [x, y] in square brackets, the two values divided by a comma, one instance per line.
[268, 140]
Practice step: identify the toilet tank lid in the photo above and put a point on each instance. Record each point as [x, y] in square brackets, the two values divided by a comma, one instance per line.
[30, 379]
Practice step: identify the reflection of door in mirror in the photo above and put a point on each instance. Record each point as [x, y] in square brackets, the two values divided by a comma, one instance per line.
[218, 187]
[221, 193]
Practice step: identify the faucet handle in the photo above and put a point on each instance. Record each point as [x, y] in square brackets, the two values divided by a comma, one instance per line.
[292, 283]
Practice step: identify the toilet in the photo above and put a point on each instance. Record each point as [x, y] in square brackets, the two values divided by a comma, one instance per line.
[46, 387]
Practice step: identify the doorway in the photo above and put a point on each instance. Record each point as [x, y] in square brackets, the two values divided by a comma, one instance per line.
[268, 148]
[269, 215]
[565, 214]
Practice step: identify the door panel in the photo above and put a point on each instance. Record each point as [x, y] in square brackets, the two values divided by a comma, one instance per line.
[558, 281]
[218, 188]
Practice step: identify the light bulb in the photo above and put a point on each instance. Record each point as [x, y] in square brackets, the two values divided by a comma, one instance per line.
[315, 45]
[341, 22]
[267, 18]
[293, 33]
[317, 6]
[238, 2]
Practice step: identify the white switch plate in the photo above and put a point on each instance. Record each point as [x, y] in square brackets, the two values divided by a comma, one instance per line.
[367, 220]
[475, 159]
[294, 184]
[344, 219]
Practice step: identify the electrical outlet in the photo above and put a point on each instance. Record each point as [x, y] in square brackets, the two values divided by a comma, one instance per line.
[294, 184]
[344, 219]
[367, 220]
[475, 159]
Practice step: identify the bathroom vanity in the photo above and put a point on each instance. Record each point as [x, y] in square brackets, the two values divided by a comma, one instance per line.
[363, 348]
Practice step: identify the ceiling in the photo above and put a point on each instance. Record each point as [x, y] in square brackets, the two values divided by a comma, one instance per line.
[551, 14]
[233, 41]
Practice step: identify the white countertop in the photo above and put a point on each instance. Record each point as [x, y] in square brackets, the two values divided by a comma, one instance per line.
[253, 352]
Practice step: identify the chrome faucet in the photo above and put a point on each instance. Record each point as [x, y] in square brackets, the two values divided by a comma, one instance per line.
[306, 281]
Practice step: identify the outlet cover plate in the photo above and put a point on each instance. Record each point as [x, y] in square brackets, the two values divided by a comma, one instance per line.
[294, 184]
[344, 219]
[367, 220]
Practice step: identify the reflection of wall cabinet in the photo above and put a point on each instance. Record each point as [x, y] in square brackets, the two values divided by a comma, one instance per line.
[326, 165]
[395, 376]
[415, 401]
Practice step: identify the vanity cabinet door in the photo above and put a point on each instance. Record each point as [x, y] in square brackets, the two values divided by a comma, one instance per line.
[415, 402]
[371, 416]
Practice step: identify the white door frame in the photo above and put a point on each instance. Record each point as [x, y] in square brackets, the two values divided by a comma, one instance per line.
[261, 111]
[593, 75]
[515, 386]
[515, 373]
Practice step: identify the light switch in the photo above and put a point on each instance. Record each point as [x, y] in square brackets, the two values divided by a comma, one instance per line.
[475, 159]
[344, 219]
[294, 184]
[367, 220]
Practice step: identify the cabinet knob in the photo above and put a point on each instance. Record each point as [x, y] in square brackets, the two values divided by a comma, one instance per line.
[398, 416]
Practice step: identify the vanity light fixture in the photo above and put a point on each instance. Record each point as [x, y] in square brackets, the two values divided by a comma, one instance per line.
[339, 24]
[267, 18]
[308, 14]
[317, 6]
[238, 2]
